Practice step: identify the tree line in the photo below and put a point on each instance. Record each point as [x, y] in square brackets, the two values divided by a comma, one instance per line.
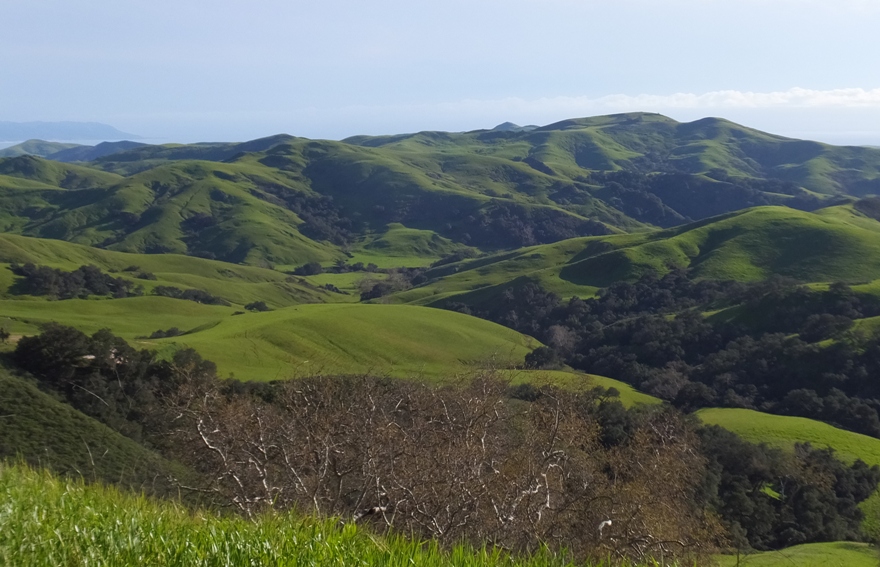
[774, 356]
[90, 280]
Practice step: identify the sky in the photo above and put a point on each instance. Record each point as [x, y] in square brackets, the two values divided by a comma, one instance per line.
[218, 70]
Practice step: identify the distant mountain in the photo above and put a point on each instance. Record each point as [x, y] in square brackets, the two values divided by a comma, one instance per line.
[40, 148]
[511, 127]
[287, 200]
[91, 153]
[60, 131]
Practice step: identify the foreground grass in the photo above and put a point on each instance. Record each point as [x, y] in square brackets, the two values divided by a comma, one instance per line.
[48, 521]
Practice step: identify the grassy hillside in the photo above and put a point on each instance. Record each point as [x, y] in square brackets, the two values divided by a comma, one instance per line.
[47, 521]
[237, 284]
[629, 396]
[286, 200]
[399, 340]
[830, 245]
[65, 176]
[784, 431]
[40, 148]
[835, 554]
[43, 431]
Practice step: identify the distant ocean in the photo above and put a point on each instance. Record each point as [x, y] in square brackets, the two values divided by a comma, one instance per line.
[94, 142]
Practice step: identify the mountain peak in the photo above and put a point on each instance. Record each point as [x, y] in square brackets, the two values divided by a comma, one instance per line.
[511, 127]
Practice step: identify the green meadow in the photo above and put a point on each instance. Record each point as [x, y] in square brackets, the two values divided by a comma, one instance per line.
[834, 554]
[784, 431]
[397, 340]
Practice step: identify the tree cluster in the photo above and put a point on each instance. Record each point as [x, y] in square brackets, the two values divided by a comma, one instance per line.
[322, 219]
[103, 377]
[80, 283]
[769, 499]
[509, 225]
[197, 295]
[652, 334]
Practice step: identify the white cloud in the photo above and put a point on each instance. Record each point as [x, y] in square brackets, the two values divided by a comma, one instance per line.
[728, 99]
[792, 98]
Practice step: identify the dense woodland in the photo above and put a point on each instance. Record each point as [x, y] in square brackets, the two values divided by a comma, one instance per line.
[767, 351]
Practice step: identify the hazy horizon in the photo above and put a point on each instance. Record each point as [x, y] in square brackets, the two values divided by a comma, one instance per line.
[221, 71]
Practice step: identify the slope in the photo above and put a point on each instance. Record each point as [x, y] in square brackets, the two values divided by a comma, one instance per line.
[55, 174]
[784, 431]
[37, 428]
[237, 284]
[832, 244]
[399, 340]
[39, 148]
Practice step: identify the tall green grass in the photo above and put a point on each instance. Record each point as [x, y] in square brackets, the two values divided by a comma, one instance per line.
[48, 521]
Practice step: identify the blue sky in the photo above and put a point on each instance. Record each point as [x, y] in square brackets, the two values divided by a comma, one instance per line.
[191, 70]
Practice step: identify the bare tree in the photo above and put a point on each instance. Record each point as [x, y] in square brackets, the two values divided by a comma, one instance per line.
[453, 463]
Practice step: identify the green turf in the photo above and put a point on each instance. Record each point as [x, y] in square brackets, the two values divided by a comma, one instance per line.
[398, 340]
[49, 521]
[628, 395]
[834, 554]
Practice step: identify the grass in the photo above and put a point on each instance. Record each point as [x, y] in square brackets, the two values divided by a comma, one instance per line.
[48, 521]
[398, 340]
[401, 246]
[833, 554]
[629, 396]
[428, 181]
[128, 318]
[237, 284]
[784, 431]
[748, 245]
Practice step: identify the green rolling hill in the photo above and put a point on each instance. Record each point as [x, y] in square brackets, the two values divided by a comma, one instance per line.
[832, 244]
[287, 200]
[397, 340]
[237, 284]
[40, 148]
[573, 206]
